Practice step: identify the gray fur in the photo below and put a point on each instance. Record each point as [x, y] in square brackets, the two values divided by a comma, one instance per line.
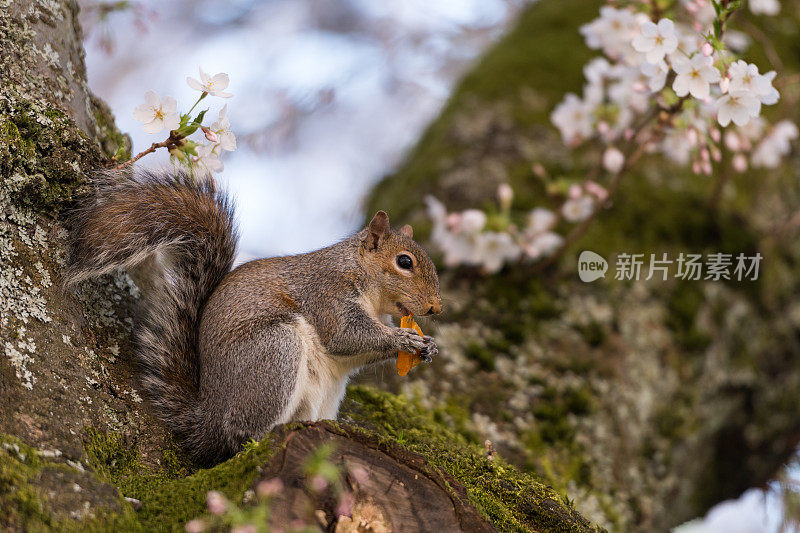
[228, 355]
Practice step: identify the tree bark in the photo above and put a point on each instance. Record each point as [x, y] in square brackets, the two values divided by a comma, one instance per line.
[75, 434]
[648, 402]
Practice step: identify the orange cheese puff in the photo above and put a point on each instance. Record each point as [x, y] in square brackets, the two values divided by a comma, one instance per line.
[406, 361]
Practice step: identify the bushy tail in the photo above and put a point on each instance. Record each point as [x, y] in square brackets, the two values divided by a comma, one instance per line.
[127, 219]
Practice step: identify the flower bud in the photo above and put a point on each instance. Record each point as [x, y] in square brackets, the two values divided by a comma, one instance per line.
[210, 135]
[707, 49]
[506, 195]
[739, 163]
[596, 189]
[613, 160]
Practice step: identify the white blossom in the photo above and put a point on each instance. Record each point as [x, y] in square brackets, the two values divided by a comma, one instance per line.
[207, 159]
[472, 221]
[775, 145]
[543, 245]
[736, 41]
[613, 160]
[772, 95]
[540, 220]
[694, 76]
[613, 31]
[157, 113]
[538, 239]
[222, 128]
[573, 117]
[629, 93]
[213, 85]
[577, 209]
[745, 77]
[656, 74]
[656, 40]
[738, 106]
[495, 248]
[764, 7]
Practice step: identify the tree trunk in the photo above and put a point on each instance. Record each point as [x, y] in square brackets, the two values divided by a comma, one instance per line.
[75, 434]
[647, 402]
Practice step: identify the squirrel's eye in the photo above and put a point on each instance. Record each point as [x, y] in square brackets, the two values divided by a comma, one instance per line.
[404, 262]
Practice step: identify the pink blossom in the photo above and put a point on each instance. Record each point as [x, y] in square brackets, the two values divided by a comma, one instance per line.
[739, 163]
[346, 503]
[269, 487]
[318, 483]
[195, 526]
[216, 502]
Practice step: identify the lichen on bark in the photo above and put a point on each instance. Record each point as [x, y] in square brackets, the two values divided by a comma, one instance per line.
[75, 435]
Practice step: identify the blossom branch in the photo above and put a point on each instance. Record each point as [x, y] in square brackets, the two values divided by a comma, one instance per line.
[663, 87]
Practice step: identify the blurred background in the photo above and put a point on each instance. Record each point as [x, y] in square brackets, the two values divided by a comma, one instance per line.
[328, 94]
[329, 97]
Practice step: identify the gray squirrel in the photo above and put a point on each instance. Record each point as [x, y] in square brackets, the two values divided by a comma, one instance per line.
[226, 355]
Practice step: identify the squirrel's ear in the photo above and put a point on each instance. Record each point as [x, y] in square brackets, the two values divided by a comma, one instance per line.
[377, 229]
[408, 231]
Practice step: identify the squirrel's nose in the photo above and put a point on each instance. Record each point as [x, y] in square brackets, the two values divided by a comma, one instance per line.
[435, 309]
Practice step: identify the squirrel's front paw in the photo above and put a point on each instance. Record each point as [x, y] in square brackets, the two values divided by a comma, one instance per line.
[410, 341]
[429, 350]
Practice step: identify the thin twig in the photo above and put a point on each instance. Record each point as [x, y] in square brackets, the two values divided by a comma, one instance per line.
[172, 141]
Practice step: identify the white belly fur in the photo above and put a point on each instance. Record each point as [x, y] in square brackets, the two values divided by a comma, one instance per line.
[321, 378]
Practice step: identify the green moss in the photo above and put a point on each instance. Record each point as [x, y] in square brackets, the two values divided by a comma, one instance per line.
[682, 306]
[47, 151]
[25, 506]
[20, 504]
[173, 492]
[511, 500]
[113, 141]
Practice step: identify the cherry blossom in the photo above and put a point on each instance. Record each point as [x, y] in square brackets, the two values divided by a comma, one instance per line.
[745, 77]
[775, 145]
[739, 106]
[625, 103]
[764, 7]
[505, 194]
[578, 209]
[613, 31]
[207, 159]
[656, 40]
[656, 74]
[222, 129]
[472, 221]
[694, 76]
[213, 85]
[157, 113]
[573, 117]
[538, 238]
[613, 160]
[495, 248]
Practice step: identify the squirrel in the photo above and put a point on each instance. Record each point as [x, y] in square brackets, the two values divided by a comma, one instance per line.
[226, 355]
